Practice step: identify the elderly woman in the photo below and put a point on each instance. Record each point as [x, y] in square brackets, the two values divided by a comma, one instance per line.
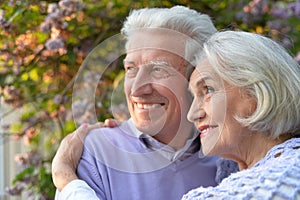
[246, 106]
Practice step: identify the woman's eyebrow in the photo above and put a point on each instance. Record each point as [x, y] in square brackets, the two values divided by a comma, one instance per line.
[199, 82]
[194, 85]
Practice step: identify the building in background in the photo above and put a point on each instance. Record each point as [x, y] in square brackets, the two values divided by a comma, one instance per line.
[8, 150]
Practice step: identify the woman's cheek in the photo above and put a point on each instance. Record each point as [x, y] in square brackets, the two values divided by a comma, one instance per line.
[217, 108]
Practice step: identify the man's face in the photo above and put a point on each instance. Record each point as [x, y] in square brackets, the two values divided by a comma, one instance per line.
[156, 84]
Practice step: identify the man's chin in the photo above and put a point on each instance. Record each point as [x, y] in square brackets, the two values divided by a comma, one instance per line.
[150, 128]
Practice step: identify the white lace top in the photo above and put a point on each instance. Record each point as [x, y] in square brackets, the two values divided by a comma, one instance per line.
[276, 176]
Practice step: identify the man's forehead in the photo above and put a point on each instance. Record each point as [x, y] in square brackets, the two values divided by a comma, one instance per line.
[178, 65]
[151, 62]
[160, 39]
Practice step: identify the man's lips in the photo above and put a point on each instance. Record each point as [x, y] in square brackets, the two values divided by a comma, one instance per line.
[204, 129]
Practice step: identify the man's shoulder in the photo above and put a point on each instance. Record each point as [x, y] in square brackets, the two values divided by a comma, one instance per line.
[121, 138]
[106, 133]
[225, 168]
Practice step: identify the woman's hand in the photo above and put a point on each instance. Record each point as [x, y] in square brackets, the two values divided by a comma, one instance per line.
[67, 157]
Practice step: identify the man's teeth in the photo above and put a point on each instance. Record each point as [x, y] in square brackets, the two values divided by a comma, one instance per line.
[148, 106]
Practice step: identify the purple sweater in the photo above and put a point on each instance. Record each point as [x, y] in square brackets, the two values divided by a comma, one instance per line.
[118, 165]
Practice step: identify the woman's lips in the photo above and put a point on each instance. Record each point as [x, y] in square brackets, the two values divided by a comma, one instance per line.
[205, 129]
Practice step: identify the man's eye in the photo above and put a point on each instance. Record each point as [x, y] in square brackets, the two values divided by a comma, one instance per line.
[131, 71]
[160, 72]
[128, 68]
[157, 69]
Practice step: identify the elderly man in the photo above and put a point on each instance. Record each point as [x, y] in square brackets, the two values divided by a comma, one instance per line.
[156, 153]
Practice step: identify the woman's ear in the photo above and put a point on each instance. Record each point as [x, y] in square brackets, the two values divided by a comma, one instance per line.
[251, 101]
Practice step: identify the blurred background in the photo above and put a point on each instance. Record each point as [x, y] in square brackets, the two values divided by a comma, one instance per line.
[44, 43]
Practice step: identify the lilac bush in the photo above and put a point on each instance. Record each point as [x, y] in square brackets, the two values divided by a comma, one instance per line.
[44, 43]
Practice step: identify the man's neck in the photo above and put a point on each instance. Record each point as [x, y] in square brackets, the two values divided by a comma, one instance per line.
[177, 139]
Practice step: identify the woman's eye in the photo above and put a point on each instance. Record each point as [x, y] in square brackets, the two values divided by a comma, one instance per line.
[209, 90]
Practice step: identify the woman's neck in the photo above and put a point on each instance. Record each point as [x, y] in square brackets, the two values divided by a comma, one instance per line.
[256, 149]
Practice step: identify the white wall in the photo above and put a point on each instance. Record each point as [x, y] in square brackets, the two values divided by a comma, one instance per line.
[8, 149]
[1, 166]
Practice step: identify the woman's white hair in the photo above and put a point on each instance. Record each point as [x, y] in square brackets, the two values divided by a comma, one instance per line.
[198, 27]
[267, 71]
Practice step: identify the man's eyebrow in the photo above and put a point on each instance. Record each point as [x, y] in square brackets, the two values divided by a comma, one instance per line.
[157, 62]
[128, 61]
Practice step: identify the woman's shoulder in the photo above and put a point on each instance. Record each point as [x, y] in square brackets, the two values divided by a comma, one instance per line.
[275, 176]
[280, 174]
[284, 155]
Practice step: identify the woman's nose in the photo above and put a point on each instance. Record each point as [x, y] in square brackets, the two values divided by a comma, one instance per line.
[196, 111]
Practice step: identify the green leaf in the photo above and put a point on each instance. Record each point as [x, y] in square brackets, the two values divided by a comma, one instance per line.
[23, 174]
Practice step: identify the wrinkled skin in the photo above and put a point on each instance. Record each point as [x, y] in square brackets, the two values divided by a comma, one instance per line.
[66, 159]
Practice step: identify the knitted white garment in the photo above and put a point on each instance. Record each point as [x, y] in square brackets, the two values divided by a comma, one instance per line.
[275, 177]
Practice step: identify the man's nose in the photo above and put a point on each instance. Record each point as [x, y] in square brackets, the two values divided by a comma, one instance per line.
[142, 83]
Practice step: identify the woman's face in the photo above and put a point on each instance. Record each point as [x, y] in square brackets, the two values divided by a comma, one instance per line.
[213, 111]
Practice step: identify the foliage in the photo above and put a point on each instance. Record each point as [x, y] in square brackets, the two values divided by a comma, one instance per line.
[43, 44]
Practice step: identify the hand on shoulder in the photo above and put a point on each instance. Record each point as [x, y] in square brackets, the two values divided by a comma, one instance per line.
[66, 159]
